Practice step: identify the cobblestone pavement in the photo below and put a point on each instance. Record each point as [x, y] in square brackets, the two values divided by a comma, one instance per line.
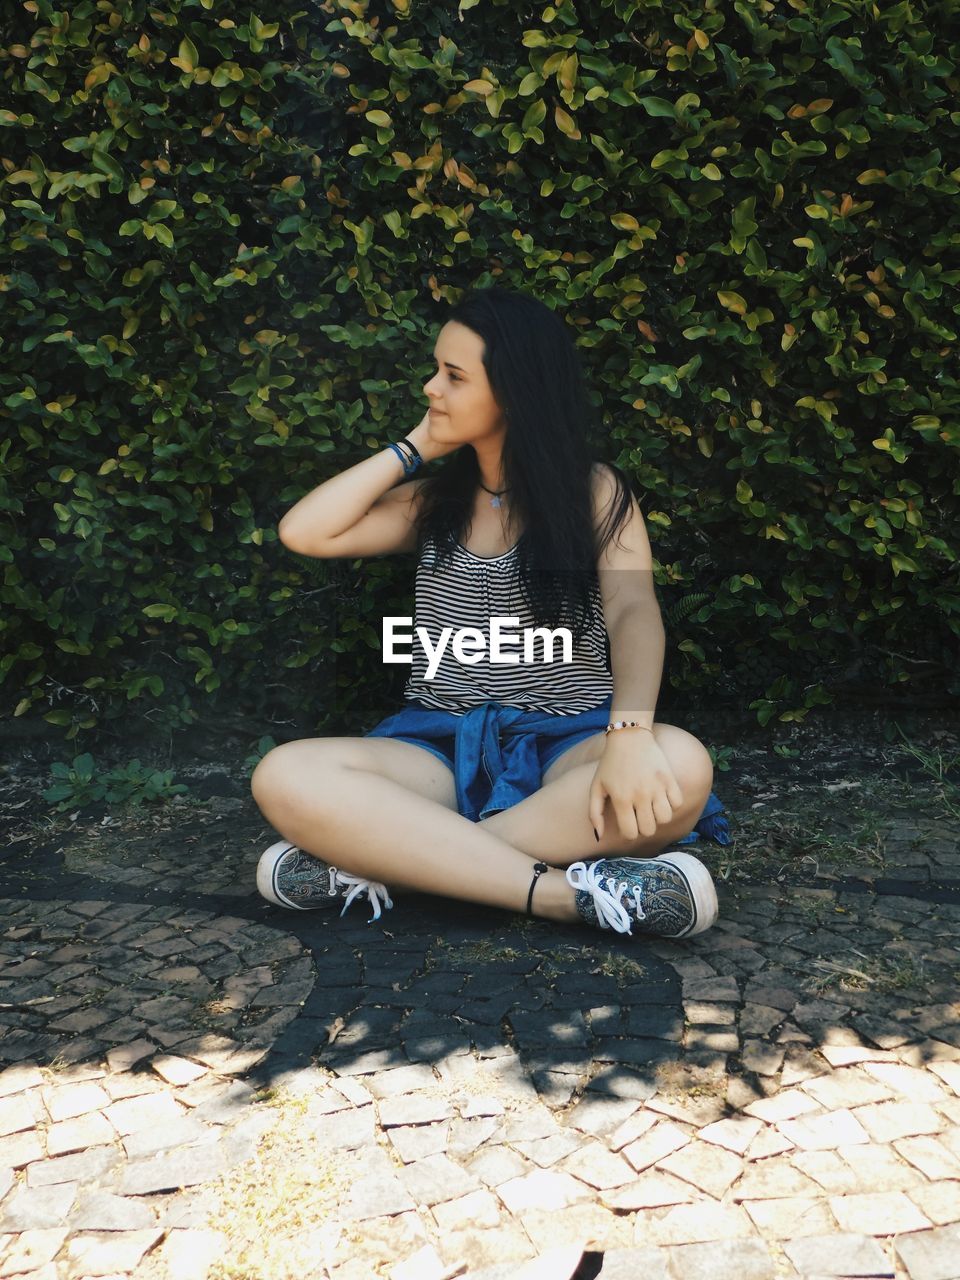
[503, 1098]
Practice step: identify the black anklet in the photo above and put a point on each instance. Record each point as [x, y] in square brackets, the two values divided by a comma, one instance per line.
[538, 869]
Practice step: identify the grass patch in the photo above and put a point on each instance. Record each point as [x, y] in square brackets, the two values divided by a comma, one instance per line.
[613, 965]
[812, 910]
[679, 1080]
[809, 824]
[943, 768]
[278, 1208]
[482, 951]
[803, 833]
[880, 973]
[565, 960]
[554, 964]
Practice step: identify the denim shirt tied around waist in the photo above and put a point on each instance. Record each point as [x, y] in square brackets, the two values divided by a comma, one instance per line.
[496, 762]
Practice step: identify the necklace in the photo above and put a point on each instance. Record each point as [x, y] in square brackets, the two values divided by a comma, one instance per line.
[495, 500]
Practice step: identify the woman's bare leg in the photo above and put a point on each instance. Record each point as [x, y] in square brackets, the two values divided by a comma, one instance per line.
[340, 799]
[386, 810]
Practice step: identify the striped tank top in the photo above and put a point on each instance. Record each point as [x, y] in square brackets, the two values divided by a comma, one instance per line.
[469, 591]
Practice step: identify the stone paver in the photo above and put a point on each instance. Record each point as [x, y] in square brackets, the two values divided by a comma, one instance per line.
[837, 1254]
[881, 1214]
[938, 1201]
[824, 1132]
[791, 1216]
[31, 1250]
[655, 1145]
[930, 1156]
[887, 1121]
[511, 1093]
[930, 1255]
[736, 1259]
[708, 1168]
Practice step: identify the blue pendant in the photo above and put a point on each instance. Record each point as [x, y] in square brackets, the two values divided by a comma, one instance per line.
[494, 502]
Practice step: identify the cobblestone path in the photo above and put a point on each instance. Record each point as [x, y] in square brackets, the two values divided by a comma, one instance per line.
[496, 1097]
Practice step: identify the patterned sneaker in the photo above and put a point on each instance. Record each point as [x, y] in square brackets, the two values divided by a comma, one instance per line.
[671, 895]
[289, 877]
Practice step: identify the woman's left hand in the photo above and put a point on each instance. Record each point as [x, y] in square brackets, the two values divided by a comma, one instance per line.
[635, 775]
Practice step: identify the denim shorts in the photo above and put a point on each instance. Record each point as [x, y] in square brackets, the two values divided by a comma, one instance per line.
[489, 779]
[548, 748]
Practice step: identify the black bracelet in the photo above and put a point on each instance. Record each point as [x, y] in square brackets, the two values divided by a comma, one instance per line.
[538, 869]
[408, 454]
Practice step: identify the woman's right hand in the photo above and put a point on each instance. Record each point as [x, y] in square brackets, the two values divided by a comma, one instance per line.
[427, 444]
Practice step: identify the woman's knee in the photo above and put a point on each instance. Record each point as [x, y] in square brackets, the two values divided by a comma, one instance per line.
[288, 769]
[690, 761]
[314, 770]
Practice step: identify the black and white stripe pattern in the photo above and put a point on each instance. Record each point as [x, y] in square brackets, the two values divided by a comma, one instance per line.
[469, 591]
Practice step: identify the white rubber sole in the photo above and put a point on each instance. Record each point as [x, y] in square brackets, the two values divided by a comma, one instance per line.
[702, 889]
[266, 868]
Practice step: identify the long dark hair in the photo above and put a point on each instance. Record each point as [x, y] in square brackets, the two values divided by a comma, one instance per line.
[534, 372]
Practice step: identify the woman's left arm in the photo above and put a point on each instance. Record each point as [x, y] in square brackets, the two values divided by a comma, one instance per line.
[633, 772]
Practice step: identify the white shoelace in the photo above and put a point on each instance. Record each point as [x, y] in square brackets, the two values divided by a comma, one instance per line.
[607, 898]
[377, 893]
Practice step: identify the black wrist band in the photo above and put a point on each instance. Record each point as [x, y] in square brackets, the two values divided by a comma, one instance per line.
[538, 869]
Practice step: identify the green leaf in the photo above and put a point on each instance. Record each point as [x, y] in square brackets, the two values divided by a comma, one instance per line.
[902, 563]
[625, 222]
[733, 301]
[187, 56]
[839, 56]
[658, 107]
[534, 115]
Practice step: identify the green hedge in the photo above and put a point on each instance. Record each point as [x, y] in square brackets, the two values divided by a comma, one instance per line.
[227, 240]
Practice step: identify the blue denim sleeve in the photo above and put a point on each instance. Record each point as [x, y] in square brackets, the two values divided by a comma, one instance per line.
[497, 761]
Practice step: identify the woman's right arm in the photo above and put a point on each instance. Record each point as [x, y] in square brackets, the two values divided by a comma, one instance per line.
[362, 511]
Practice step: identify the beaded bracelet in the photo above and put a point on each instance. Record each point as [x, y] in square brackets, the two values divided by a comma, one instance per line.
[626, 724]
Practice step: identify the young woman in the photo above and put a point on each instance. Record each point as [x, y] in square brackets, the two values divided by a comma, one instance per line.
[501, 777]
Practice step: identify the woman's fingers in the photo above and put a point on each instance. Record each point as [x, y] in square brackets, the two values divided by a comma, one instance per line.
[638, 812]
[674, 794]
[628, 820]
[595, 805]
[663, 808]
[642, 813]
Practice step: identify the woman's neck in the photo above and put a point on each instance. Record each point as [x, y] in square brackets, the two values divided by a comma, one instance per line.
[490, 465]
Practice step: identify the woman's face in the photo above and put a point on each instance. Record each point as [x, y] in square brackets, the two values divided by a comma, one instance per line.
[462, 404]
